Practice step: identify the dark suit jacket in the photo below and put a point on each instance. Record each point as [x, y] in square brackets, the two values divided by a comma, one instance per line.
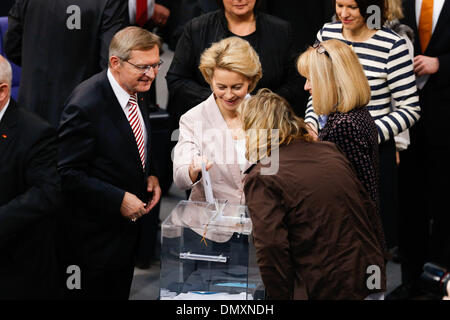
[5, 6]
[435, 96]
[99, 161]
[55, 59]
[306, 18]
[29, 195]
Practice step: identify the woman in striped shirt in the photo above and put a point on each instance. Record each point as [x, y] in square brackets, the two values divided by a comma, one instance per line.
[389, 70]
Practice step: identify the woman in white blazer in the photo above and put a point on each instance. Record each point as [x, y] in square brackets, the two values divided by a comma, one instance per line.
[212, 131]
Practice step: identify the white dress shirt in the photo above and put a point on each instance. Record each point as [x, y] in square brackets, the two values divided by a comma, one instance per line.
[2, 112]
[437, 8]
[123, 97]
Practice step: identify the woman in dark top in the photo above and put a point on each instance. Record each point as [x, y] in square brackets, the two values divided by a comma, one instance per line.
[316, 231]
[271, 38]
[342, 95]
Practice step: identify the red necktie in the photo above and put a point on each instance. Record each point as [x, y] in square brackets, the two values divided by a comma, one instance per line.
[141, 12]
[425, 24]
[135, 123]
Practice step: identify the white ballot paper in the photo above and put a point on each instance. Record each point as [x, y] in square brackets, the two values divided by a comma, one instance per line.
[207, 184]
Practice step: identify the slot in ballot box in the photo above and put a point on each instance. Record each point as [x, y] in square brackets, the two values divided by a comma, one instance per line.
[207, 253]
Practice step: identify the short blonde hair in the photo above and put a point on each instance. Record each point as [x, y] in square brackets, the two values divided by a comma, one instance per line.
[338, 80]
[263, 113]
[132, 38]
[233, 54]
[394, 10]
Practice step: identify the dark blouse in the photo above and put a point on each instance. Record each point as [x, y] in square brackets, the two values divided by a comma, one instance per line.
[356, 135]
[272, 40]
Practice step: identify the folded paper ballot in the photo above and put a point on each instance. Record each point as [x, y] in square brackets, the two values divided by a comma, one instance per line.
[207, 184]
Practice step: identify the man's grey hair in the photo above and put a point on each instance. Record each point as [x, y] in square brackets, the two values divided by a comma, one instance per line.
[5, 71]
[132, 38]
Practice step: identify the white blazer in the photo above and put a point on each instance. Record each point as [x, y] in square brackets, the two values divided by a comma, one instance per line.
[203, 131]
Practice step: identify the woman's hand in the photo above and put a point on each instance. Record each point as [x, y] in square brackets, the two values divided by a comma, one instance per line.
[196, 167]
[312, 131]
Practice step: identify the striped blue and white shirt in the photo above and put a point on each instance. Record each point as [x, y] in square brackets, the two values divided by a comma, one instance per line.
[389, 70]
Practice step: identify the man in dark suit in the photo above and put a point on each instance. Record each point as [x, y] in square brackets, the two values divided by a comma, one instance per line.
[58, 44]
[152, 14]
[107, 166]
[149, 14]
[306, 18]
[29, 197]
[424, 168]
[5, 6]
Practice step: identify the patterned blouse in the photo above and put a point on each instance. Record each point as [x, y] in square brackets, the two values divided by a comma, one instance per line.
[356, 135]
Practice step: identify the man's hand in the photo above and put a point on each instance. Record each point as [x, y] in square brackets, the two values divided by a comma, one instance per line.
[160, 15]
[132, 208]
[153, 187]
[447, 297]
[425, 65]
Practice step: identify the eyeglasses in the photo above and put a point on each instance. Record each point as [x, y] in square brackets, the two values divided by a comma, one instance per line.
[145, 69]
[320, 48]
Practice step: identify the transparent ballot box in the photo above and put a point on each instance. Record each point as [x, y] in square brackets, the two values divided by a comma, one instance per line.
[207, 253]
